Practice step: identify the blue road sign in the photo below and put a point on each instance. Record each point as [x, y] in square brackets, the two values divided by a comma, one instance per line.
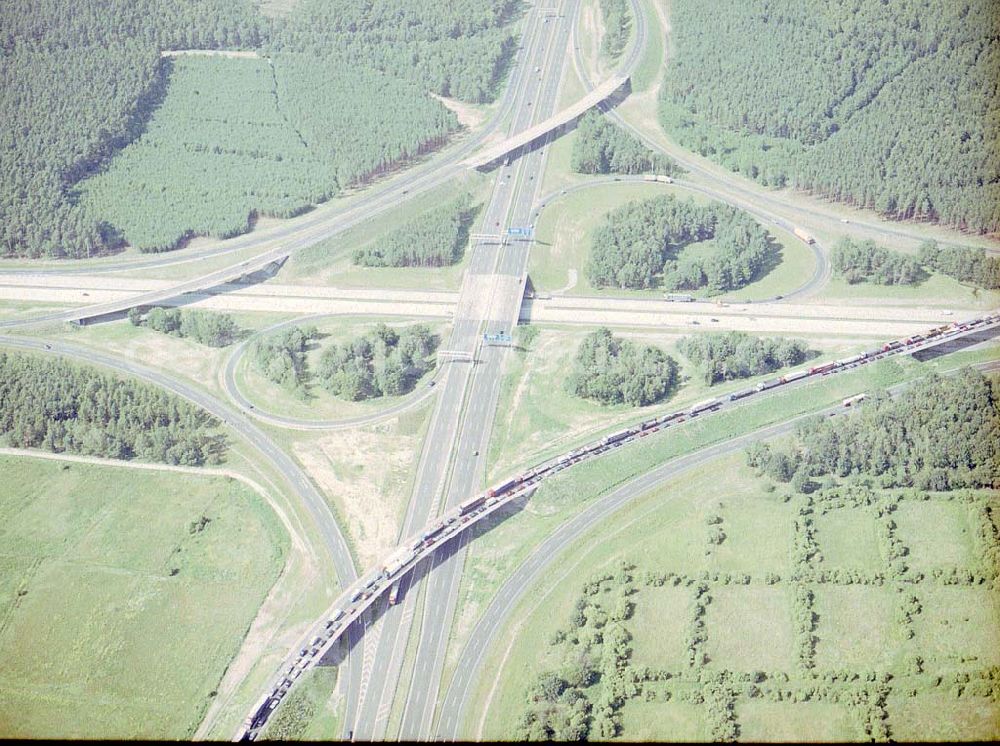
[499, 338]
[519, 231]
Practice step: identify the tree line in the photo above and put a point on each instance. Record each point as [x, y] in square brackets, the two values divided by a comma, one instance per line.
[63, 407]
[884, 106]
[963, 264]
[601, 147]
[615, 371]
[435, 238]
[940, 434]
[863, 261]
[724, 356]
[641, 244]
[206, 327]
[617, 21]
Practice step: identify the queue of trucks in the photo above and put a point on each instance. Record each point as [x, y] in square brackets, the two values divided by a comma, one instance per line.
[454, 521]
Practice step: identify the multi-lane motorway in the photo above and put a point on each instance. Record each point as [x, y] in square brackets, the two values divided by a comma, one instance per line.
[450, 466]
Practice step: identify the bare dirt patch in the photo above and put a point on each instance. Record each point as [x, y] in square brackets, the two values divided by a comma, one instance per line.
[468, 115]
[366, 474]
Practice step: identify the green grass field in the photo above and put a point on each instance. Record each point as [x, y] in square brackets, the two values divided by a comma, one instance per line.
[938, 290]
[129, 604]
[651, 63]
[748, 627]
[848, 539]
[329, 262]
[564, 233]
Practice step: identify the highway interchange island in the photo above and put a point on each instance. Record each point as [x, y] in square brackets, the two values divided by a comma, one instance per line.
[619, 370]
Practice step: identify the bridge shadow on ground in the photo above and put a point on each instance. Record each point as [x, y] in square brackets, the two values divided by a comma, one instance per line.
[957, 345]
[185, 299]
[609, 103]
[339, 652]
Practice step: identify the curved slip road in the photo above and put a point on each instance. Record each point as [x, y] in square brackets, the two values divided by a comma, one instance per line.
[411, 400]
[244, 428]
[732, 181]
[457, 700]
[821, 275]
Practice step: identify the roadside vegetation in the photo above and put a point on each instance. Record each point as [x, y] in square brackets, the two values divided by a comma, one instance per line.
[601, 147]
[86, 411]
[281, 358]
[724, 356]
[963, 264]
[435, 238]
[642, 244]
[206, 327]
[887, 108]
[616, 371]
[942, 433]
[617, 16]
[863, 261]
[125, 594]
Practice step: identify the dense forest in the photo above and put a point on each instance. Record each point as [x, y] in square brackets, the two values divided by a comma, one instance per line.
[964, 264]
[63, 407]
[80, 79]
[863, 261]
[723, 356]
[940, 434]
[617, 19]
[642, 243]
[616, 371]
[384, 362]
[890, 106]
[281, 357]
[188, 146]
[602, 147]
[206, 327]
[435, 238]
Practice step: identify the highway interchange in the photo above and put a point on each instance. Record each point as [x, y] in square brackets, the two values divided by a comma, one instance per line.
[449, 469]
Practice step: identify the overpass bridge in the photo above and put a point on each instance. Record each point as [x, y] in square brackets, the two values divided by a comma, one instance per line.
[492, 154]
[364, 592]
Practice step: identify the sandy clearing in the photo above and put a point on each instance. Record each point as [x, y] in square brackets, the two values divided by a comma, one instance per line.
[366, 473]
[468, 116]
[237, 53]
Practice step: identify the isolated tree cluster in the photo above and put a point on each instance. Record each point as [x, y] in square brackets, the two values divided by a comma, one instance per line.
[281, 357]
[723, 356]
[941, 434]
[435, 238]
[642, 243]
[888, 106]
[68, 408]
[384, 362]
[863, 261]
[602, 147]
[615, 371]
[207, 327]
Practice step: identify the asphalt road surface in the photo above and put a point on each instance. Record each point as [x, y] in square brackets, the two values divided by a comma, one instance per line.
[451, 467]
